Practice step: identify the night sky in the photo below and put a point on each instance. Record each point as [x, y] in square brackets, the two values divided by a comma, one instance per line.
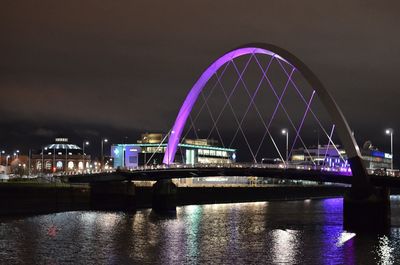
[92, 69]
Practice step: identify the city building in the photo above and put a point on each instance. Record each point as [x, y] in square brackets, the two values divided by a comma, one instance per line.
[332, 156]
[15, 164]
[60, 156]
[375, 159]
[150, 149]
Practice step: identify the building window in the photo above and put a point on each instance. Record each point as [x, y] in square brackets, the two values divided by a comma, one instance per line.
[70, 165]
[59, 165]
[80, 165]
[133, 159]
[48, 165]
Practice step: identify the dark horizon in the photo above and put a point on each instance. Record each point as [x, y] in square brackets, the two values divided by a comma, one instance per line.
[91, 69]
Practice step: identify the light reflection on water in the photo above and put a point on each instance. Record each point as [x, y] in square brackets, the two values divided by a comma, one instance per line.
[294, 232]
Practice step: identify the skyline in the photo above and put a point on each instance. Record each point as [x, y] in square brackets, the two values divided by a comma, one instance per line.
[60, 76]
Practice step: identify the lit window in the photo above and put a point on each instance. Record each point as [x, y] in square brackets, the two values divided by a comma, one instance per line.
[59, 165]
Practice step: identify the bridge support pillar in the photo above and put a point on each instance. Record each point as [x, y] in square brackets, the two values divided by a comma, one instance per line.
[113, 196]
[164, 196]
[367, 214]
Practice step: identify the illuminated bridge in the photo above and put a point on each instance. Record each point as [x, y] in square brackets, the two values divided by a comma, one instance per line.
[248, 98]
[290, 172]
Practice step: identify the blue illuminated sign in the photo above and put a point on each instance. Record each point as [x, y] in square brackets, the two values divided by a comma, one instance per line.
[378, 154]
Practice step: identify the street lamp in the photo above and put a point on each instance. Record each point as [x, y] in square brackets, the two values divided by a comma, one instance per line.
[42, 167]
[66, 158]
[16, 153]
[286, 132]
[7, 157]
[390, 132]
[29, 162]
[83, 153]
[104, 140]
[54, 159]
[2, 152]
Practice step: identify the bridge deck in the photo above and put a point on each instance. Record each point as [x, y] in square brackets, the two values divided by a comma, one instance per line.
[279, 173]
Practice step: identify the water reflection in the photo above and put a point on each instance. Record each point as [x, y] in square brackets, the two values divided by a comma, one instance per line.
[337, 247]
[306, 232]
[344, 237]
[384, 251]
[194, 213]
[285, 244]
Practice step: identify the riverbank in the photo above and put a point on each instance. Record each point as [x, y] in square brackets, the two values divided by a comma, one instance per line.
[40, 198]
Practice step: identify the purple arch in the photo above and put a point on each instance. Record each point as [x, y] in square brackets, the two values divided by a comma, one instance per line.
[343, 129]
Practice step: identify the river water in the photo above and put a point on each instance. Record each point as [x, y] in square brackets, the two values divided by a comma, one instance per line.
[293, 232]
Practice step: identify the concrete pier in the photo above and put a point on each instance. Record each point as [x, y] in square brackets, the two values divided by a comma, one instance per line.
[113, 196]
[367, 214]
[164, 196]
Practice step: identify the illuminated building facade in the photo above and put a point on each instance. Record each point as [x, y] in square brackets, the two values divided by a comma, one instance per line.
[60, 156]
[335, 157]
[150, 149]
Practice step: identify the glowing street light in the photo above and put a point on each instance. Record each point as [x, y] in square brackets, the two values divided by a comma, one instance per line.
[2, 152]
[83, 152]
[43, 149]
[390, 132]
[7, 157]
[286, 132]
[104, 140]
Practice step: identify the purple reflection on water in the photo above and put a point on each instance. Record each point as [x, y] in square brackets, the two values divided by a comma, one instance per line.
[337, 243]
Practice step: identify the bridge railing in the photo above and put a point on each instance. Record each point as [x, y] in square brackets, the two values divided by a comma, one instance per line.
[345, 171]
[341, 170]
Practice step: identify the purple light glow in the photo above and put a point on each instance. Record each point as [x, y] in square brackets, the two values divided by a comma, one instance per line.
[195, 91]
[337, 116]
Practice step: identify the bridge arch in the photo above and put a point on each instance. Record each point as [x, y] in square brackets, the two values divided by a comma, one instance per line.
[342, 127]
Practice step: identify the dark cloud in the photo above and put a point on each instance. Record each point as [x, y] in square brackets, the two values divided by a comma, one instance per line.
[43, 132]
[126, 66]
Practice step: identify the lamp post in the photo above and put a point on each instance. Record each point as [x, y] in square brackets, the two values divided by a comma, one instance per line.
[54, 159]
[29, 162]
[103, 140]
[390, 132]
[66, 158]
[318, 161]
[16, 154]
[43, 149]
[2, 152]
[7, 157]
[286, 132]
[84, 143]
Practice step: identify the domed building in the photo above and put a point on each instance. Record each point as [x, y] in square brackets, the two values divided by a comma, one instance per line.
[60, 156]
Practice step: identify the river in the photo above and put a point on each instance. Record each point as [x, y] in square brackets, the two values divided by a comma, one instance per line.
[279, 232]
